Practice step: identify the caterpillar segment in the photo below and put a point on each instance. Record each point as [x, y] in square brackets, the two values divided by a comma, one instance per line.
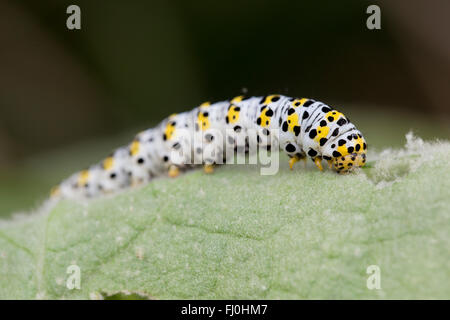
[147, 156]
[210, 134]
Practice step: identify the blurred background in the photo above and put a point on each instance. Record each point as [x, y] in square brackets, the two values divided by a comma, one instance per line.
[68, 97]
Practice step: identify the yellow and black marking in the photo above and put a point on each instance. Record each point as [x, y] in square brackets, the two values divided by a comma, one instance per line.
[359, 145]
[169, 130]
[292, 122]
[270, 99]
[203, 120]
[134, 148]
[237, 99]
[83, 178]
[265, 116]
[108, 163]
[232, 114]
[299, 102]
[333, 115]
[320, 133]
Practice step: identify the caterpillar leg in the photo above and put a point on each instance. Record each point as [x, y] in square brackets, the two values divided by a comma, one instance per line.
[295, 159]
[292, 161]
[330, 164]
[137, 182]
[318, 163]
[208, 168]
[173, 171]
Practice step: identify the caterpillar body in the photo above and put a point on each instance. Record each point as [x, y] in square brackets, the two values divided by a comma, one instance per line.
[210, 133]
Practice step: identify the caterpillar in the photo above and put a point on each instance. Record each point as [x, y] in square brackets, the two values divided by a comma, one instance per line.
[209, 133]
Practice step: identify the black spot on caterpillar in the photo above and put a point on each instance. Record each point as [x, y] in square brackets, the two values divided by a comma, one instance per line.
[336, 132]
[305, 115]
[308, 103]
[290, 148]
[341, 121]
[154, 151]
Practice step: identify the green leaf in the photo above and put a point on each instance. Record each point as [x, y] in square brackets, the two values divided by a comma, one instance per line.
[237, 234]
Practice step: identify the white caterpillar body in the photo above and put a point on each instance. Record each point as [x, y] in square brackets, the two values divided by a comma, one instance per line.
[209, 133]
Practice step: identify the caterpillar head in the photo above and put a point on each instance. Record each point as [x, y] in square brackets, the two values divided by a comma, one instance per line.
[349, 162]
[347, 151]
